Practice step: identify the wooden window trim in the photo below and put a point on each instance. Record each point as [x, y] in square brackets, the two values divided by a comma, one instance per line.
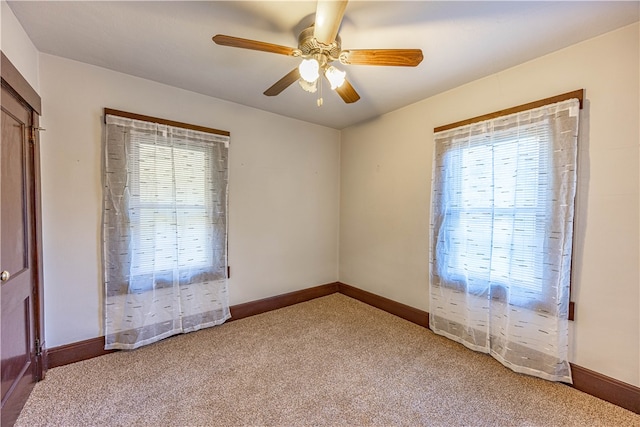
[579, 94]
[163, 122]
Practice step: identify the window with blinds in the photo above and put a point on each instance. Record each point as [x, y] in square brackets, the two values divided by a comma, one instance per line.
[172, 186]
[497, 213]
[502, 205]
[166, 204]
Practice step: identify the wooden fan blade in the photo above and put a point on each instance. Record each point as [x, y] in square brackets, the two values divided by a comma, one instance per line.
[231, 41]
[328, 19]
[283, 83]
[347, 92]
[394, 57]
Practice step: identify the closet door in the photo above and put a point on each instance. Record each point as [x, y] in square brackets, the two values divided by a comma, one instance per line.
[20, 349]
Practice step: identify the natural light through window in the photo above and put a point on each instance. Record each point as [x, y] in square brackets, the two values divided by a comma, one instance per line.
[496, 186]
[160, 198]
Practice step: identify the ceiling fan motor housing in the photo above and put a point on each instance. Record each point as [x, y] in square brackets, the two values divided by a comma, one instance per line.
[312, 48]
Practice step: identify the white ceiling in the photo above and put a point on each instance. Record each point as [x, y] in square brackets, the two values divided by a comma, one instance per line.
[170, 42]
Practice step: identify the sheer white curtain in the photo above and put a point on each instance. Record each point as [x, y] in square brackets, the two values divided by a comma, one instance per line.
[501, 236]
[164, 231]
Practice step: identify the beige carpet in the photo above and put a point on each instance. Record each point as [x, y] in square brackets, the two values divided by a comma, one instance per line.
[330, 361]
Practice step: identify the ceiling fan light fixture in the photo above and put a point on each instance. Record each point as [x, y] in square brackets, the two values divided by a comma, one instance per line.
[309, 70]
[335, 77]
[309, 87]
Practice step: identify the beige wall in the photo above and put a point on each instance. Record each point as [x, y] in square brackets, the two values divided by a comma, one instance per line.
[385, 186]
[283, 185]
[17, 46]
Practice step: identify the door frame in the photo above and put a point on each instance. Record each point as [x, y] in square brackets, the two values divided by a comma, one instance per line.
[12, 80]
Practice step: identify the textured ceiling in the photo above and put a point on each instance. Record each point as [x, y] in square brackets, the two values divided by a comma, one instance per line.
[170, 42]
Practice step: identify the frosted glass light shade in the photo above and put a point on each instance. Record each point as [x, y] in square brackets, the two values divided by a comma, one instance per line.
[309, 87]
[335, 77]
[309, 70]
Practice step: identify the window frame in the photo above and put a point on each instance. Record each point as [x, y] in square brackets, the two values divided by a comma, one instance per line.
[537, 305]
[163, 278]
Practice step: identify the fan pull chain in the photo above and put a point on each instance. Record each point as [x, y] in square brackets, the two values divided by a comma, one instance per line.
[319, 102]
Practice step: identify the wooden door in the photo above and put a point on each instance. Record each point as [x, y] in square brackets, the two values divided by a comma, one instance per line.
[21, 364]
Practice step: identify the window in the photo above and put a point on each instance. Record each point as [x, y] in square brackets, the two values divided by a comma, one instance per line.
[173, 210]
[502, 202]
[497, 212]
[502, 205]
[164, 228]
[158, 200]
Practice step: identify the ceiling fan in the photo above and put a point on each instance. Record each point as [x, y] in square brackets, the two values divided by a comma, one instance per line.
[319, 46]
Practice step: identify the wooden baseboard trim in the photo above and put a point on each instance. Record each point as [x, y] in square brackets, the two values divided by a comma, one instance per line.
[601, 386]
[252, 308]
[406, 312]
[76, 352]
[596, 384]
[94, 347]
[606, 388]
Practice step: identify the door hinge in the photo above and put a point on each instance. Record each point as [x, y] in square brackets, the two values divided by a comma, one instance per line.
[228, 272]
[38, 347]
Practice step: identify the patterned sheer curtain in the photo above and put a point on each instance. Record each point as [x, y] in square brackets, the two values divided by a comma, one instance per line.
[501, 236]
[164, 231]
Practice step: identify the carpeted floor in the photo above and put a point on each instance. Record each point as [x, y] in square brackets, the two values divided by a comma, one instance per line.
[330, 361]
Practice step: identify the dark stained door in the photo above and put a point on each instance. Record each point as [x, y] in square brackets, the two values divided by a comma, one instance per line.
[18, 257]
